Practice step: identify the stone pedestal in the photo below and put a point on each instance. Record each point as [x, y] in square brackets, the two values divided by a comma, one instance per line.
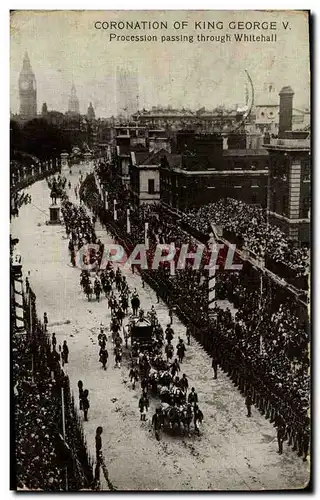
[54, 215]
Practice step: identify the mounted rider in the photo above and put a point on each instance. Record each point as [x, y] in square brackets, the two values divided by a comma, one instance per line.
[169, 350]
[181, 349]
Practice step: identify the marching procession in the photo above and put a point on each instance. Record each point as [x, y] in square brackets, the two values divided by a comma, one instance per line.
[153, 366]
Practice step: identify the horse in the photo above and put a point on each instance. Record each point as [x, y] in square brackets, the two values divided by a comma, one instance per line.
[179, 396]
[118, 356]
[107, 287]
[124, 303]
[88, 290]
[120, 315]
[114, 327]
[165, 395]
[144, 365]
[165, 379]
[84, 279]
[173, 417]
[97, 289]
[118, 279]
[187, 416]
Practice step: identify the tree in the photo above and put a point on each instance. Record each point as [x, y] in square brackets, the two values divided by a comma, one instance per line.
[15, 136]
[43, 139]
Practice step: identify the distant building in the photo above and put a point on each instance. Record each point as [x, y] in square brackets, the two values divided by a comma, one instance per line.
[90, 113]
[290, 189]
[127, 92]
[27, 91]
[44, 110]
[217, 120]
[73, 104]
[158, 140]
[289, 182]
[266, 113]
[240, 174]
[145, 177]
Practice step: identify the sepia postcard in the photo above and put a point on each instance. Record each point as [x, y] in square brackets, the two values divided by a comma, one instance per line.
[160, 196]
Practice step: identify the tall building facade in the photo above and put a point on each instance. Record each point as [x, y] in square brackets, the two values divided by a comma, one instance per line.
[73, 105]
[27, 91]
[127, 92]
[289, 175]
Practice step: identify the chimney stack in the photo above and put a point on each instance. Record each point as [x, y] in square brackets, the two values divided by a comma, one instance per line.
[285, 114]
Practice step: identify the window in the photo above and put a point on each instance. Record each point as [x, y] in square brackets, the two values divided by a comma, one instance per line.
[285, 205]
[151, 189]
[305, 169]
[238, 165]
[305, 207]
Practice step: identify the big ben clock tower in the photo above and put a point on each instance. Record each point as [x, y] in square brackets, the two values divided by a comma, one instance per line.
[27, 91]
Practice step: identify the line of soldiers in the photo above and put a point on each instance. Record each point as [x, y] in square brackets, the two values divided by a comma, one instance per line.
[291, 427]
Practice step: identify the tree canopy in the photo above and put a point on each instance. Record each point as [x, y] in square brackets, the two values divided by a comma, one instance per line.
[39, 138]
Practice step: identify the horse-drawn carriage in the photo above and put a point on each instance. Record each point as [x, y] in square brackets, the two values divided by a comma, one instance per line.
[140, 330]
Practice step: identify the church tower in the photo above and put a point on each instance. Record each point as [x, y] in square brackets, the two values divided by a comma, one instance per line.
[27, 90]
[73, 107]
[90, 113]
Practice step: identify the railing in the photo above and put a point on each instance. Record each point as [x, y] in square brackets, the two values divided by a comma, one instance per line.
[33, 174]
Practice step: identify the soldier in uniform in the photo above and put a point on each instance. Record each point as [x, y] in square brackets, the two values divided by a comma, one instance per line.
[45, 320]
[188, 333]
[143, 406]
[85, 404]
[103, 357]
[80, 387]
[215, 365]
[54, 340]
[193, 397]
[65, 352]
[98, 444]
[169, 333]
[248, 404]
[280, 436]
[134, 376]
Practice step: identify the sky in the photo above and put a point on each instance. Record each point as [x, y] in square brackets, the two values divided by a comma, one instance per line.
[65, 47]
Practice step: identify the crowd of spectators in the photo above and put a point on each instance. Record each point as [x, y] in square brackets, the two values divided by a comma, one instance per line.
[44, 460]
[249, 223]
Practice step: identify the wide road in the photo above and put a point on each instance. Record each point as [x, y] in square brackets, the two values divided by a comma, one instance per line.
[233, 452]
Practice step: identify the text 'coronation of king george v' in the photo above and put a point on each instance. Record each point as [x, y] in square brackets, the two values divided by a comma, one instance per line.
[196, 25]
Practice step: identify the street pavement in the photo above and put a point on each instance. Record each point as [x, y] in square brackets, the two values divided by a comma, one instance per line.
[233, 452]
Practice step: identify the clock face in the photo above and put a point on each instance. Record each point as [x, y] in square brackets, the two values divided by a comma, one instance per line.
[24, 85]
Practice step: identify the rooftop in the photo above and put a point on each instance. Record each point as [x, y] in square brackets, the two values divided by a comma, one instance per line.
[288, 144]
[245, 152]
[222, 173]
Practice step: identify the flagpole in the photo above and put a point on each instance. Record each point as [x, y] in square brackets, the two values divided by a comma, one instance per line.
[31, 334]
[64, 429]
